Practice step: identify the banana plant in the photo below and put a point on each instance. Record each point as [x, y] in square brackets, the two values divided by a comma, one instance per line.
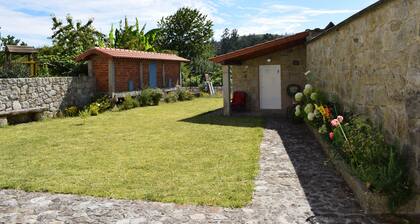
[133, 37]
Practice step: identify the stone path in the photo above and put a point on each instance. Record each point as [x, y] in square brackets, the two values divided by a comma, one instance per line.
[294, 186]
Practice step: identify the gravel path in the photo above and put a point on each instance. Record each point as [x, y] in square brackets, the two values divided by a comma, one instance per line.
[294, 186]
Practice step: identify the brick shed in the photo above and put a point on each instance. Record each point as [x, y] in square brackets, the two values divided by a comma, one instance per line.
[120, 70]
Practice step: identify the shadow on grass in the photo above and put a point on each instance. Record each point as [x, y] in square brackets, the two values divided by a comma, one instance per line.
[217, 118]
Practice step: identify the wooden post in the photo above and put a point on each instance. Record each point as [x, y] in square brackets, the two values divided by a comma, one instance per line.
[226, 90]
[111, 77]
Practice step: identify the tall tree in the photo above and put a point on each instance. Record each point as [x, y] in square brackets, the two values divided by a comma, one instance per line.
[188, 32]
[70, 38]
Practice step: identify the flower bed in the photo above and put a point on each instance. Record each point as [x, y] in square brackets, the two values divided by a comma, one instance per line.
[358, 150]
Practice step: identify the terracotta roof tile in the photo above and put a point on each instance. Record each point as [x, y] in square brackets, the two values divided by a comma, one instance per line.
[123, 53]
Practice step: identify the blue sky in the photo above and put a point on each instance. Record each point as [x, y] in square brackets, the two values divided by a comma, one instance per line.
[31, 20]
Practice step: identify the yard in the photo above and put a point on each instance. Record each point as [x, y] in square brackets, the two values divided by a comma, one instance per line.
[169, 153]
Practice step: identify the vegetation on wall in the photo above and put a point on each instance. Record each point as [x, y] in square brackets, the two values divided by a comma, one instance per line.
[378, 164]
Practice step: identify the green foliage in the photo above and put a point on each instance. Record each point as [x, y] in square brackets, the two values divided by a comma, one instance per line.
[171, 97]
[188, 31]
[83, 114]
[104, 103]
[362, 146]
[184, 94]
[133, 37]
[150, 97]
[129, 103]
[93, 109]
[14, 71]
[71, 111]
[375, 162]
[69, 39]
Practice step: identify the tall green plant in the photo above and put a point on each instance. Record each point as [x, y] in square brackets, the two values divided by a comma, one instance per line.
[133, 37]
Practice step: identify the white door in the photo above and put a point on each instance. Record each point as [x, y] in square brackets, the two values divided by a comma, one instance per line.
[270, 87]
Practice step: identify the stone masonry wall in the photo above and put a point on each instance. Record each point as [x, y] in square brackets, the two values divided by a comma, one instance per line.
[372, 63]
[245, 77]
[55, 93]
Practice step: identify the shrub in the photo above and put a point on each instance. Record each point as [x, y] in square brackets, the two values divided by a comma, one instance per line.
[93, 109]
[71, 111]
[171, 97]
[129, 103]
[184, 94]
[104, 103]
[374, 161]
[150, 97]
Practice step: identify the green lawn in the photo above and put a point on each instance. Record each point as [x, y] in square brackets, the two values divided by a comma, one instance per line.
[169, 153]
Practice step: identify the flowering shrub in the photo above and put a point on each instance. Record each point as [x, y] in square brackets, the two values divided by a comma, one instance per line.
[362, 147]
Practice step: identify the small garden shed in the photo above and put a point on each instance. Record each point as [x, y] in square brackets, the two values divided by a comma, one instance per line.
[120, 70]
[264, 72]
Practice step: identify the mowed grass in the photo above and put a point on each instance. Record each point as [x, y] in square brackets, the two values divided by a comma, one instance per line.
[168, 153]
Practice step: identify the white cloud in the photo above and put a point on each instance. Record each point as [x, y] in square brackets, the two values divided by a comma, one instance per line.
[31, 20]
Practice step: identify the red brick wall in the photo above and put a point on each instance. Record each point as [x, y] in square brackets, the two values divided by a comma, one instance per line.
[172, 72]
[100, 72]
[125, 70]
[129, 69]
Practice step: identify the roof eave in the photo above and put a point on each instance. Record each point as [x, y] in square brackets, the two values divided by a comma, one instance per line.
[255, 51]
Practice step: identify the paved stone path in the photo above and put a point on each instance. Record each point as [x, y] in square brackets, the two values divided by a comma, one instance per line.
[294, 186]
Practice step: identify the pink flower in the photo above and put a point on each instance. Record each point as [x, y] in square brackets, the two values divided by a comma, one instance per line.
[335, 122]
[331, 136]
[340, 118]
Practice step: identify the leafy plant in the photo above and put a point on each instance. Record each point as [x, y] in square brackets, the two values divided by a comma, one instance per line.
[129, 103]
[184, 94]
[171, 97]
[94, 109]
[71, 111]
[104, 103]
[133, 37]
[150, 97]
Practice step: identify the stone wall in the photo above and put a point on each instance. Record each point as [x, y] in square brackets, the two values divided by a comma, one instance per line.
[245, 77]
[55, 93]
[372, 63]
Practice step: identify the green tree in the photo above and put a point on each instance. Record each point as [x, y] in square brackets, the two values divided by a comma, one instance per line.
[70, 38]
[188, 32]
[132, 37]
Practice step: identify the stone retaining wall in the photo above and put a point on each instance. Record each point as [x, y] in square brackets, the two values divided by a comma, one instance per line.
[372, 63]
[55, 93]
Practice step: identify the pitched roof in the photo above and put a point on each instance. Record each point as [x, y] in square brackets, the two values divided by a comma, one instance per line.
[20, 49]
[123, 53]
[237, 56]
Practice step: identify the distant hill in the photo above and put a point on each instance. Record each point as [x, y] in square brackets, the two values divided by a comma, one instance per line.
[231, 41]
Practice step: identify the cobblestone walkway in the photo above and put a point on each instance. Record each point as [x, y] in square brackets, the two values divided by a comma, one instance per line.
[294, 186]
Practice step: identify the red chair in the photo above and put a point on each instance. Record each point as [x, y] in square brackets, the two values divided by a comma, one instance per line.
[239, 101]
